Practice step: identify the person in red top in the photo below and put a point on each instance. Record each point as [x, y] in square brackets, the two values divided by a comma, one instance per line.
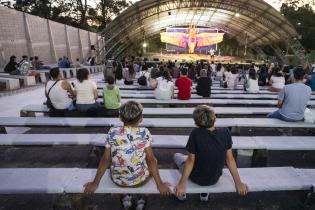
[184, 85]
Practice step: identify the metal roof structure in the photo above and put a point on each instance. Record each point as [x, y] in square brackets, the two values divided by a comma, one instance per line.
[255, 20]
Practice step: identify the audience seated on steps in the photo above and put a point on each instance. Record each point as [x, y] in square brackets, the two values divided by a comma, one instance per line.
[208, 148]
[85, 92]
[111, 97]
[144, 76]
[12, 67]
[311, 78]
[204, 84]
[263, 76]
[60, 93]
[77, 63]
[232, 78]
[155, 72]
[251, 83]
[293, 99]
[27, 69]
[119, 73]
[129, 74]
[39, 65]
[219, 72]
[128, 154]
[184, 85]
[163, 86]
[64, 62]
[277, 80]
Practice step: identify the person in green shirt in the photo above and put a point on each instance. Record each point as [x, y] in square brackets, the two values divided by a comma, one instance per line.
[111, 97]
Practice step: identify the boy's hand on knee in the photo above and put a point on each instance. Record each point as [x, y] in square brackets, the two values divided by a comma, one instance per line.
[241, 188]
[90, 187]
[164, 189]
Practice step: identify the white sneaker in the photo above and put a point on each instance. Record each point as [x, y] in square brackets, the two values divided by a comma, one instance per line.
[204, 197]
[181, 198]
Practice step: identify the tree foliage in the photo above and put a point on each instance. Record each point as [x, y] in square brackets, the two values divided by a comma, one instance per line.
[85, 14]
[302, 19]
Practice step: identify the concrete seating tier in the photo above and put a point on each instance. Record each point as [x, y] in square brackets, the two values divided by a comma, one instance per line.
[161, 141]
[24, 80]
[30, 110]
[165, 123]
[10, 83]
[213, 96]
[71, 180]
[136, 87]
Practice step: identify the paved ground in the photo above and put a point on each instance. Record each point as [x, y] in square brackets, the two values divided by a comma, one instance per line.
[79, 156]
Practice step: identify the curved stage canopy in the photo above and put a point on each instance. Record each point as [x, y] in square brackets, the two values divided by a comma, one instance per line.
[254, 19]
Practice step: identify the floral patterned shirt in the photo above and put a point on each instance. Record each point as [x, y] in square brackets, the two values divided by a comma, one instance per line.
[127, 144]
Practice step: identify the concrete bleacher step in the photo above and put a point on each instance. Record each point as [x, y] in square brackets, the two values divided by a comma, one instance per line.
[161, 141]
[71, 180]
[30, 110]
[148, 122]
[234, 123]
[10, 83]
[213, 96]
[25, 80]
[137, 87]
[243, 102]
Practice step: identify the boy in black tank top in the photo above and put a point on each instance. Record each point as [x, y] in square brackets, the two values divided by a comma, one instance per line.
[208, 148]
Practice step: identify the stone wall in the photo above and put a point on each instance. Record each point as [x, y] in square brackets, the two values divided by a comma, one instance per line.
[25, 34]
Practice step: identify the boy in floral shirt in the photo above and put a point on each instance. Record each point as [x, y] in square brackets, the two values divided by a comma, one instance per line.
[129, 154]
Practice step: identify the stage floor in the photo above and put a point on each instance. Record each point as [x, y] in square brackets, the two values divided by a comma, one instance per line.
[197, 57]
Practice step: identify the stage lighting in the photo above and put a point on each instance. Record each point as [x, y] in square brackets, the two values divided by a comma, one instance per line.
[144, 45]
[237, 14]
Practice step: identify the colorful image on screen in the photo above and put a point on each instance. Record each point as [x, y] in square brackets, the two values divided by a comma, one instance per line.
[191, 38]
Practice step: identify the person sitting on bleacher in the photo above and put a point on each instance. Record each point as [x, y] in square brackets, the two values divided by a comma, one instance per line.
[26, 68]
[12, 67]
[129, 74]
[277, 80]
[232, 78]
[85, 91]
[293, 99]
[129, 154]
[163, 86]
[209, 148]
[111, 97]
[204, 84]
[184, 85]
[251, 83]
[144, 77]
[60, 93]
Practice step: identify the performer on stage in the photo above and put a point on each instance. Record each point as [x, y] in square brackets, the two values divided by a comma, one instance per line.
[211, 52]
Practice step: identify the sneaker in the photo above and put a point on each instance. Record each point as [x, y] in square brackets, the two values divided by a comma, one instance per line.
[204, 197]
[141, 204]
[181, 198]
[126, 202]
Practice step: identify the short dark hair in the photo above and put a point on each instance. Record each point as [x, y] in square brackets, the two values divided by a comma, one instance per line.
[299, 73]
[36, 57]
[82, 74]
[184, 71]
[234, 70]
[144, 68]
[24, 56]
[131, 112]
[54, 72]
[110, 80]
[204, 116]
